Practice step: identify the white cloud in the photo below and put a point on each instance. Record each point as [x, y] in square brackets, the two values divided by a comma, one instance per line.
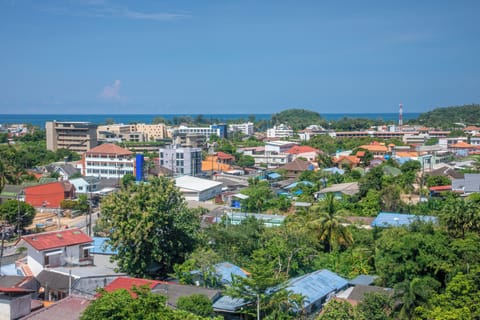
[112, 92]
[104, 9]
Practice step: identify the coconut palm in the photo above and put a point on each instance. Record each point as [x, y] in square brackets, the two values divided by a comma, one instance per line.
[329, 224]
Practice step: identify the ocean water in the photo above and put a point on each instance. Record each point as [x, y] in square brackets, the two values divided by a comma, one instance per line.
[40, 119]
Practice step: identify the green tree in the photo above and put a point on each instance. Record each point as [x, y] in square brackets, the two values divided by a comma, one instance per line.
[328, 224]
[245, 161]
[82, 203]
[337, 310]
[375, 306]
[203, 261]
[461, 299]
[198, 304]
[236, 243]
[150, 227]
[373, 179]
[261, 289]
[415, 293]
[17, 212]
[460, 216]
[120, 304]
[259, 194]
[127, 180]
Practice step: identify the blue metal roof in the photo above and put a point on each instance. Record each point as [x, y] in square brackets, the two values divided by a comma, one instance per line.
[228, 304]
[100, 246]
[389, 219]
[293, 185]
[363, 279]
[273, 175]
[313, 287]
[225, 270]
[316, 285]
[334, 170]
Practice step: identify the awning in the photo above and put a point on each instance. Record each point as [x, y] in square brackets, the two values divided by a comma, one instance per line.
[87, 247]
[52, 253]
[240, 196]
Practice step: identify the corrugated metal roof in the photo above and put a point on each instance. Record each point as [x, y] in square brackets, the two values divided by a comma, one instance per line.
[316, 285]
[196, 184]
[226, 269]
[57, 239]
[100, 246]
[389, 219]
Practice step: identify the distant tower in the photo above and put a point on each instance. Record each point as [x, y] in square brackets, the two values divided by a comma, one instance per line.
[400, 116]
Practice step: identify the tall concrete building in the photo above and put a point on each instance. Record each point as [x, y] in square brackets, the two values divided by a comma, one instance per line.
[182, 161]
[75, 136]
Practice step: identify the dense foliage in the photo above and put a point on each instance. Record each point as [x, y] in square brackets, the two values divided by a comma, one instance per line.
[296, 118]
[120, 304]
[448, 117]
[150, 227]
[17, 213]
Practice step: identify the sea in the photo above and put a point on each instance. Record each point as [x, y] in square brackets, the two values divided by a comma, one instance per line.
[39, 120]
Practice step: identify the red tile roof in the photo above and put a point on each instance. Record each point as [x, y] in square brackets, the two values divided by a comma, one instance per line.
[128, 283]
[109, 148]
[225, 156]
[461, 144]
[57, 239]
[440, 188]
[301, 149]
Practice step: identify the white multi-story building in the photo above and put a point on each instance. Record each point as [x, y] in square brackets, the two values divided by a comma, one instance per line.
[219, 130]
[108, 161]
[182, 160]
[245, 128]
[280, 131]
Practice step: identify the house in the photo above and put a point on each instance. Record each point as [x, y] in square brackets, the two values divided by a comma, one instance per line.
[269, 220]
[296, 167]
[11, 192]
[339, 190]
[468, 185]
[57, 248]
[316, 287]
[198, 189]
[343, 161]
[354, 295]
[64, 170]
[49, 195]
[14, 302]
[391, 219]
[70, 308]
[218, 162]
[85, 184]
[305, 152]
[376, 148]
[172, 291]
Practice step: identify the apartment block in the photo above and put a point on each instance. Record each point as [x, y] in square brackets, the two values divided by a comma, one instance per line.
[75, 136]
[108, 161]
[181, 160]
[245, 128]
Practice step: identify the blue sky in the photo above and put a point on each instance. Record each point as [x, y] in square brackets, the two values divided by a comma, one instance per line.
[237, 56]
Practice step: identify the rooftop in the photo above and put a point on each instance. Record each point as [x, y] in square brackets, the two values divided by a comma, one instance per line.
[57, 239]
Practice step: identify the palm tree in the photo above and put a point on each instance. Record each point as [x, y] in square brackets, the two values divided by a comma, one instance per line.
[329, 224]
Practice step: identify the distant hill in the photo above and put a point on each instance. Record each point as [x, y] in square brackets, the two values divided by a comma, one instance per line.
[447, 117]
[297, 118]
